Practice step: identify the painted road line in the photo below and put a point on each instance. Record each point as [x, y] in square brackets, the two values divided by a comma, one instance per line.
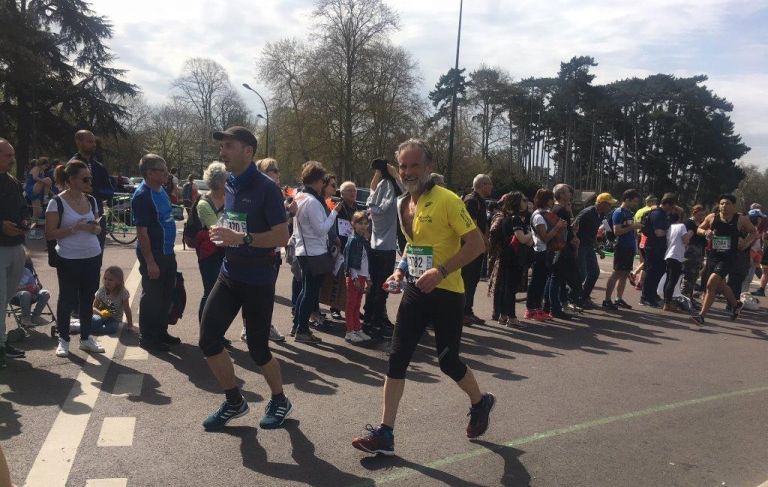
[54, 460]
[764, 484]
[117, 432]
[135, 353]
[106, 483]
[402, 473]
[128, 385]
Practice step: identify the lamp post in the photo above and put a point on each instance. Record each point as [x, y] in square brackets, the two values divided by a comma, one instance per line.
[266, 110]
[449, 168]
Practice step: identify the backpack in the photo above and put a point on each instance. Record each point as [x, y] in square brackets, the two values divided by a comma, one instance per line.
[646, 222]
[186, 192]
[610, 236]
[193, 225]
[53, 257]
[178, 300]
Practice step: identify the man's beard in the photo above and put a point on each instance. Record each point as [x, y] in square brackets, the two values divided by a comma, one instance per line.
[416, 185]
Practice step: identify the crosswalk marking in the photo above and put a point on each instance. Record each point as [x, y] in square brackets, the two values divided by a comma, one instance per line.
[128, 385]
[117, 432]
[106, 483]
[54, 460]
[135, 353]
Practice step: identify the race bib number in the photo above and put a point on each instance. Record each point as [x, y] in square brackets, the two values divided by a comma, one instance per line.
[419, 260]
[236, 221]
[721, 244]
[345, 228]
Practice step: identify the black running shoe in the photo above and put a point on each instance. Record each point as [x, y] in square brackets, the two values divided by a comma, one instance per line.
[622, 304]
[759, 292]
[607, 304]
[698, 319]
[736, 311]
[479, 416]
[13, 352]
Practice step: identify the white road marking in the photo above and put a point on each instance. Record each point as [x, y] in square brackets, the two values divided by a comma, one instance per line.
[135, 353]
[764, 484]
[117, 432]
[54, 460]
[128, 385]
[106, 483]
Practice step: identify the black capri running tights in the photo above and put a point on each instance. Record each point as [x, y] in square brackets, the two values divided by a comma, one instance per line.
[444, 310]
[222, 307]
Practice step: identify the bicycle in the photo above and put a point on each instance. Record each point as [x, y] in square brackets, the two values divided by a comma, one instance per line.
[119, 220]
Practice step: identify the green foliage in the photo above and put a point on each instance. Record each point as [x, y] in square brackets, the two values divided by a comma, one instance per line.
[55, 76]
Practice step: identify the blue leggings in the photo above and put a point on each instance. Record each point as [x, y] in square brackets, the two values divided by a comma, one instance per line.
[104, 326]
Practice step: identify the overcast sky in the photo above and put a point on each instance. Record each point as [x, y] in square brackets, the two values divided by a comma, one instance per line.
[725, 39]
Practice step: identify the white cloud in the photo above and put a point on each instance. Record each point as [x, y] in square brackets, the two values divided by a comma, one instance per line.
[527, 37]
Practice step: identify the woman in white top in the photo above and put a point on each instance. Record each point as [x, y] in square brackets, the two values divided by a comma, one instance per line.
[78, 252]
[678, 237]
[310, 232]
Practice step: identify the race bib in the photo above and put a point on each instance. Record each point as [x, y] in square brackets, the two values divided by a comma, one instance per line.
[629, 222]
[345, 228]
[419, 260]
[236, 221]
[721, 244]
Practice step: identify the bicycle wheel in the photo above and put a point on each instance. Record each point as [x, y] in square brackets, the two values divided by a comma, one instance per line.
[120, 226]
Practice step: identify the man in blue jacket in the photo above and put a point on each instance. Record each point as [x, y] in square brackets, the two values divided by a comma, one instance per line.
[102, 186]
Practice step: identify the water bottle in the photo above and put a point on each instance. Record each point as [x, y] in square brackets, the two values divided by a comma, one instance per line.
[222, 222]
[392, 287]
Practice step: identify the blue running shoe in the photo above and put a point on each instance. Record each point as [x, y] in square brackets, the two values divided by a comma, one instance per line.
[275, 413]
[227, 411]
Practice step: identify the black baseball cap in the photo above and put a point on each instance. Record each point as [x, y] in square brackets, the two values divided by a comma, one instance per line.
[238, 133]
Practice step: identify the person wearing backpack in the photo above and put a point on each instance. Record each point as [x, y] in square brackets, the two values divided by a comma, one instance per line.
[204, 214]
[624, 227]
[189, 192]
[72, 221]
[655, 229]
[588, 221]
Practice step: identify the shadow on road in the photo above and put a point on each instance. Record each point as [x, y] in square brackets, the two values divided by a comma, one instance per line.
[515, 473]
[309, 469]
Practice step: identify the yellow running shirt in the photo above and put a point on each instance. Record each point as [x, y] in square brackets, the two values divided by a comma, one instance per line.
[440, 220]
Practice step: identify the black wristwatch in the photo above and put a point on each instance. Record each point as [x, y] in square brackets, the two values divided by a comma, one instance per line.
[247, 239]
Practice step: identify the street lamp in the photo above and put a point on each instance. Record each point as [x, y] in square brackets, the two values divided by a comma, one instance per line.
[266, 110]
[449, 168]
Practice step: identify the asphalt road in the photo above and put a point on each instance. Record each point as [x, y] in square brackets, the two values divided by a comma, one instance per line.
[637, 398]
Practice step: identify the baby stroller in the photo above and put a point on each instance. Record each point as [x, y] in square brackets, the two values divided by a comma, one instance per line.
[14, 309]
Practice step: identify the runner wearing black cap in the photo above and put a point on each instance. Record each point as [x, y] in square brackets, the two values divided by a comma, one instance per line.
[254, 223]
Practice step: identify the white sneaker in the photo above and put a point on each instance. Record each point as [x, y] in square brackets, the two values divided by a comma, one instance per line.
[63, 349]
[25, 321]
[275, 335]
[243, 336]
[91, 345]
[353, 337]
[363, 335]
[39, 321]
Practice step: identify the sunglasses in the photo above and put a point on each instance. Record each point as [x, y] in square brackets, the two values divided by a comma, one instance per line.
[86, 179]
[276, 171]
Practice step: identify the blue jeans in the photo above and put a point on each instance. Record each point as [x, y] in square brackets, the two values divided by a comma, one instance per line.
[309, 298]
[103, 326]
[588, 269]
[554, 290]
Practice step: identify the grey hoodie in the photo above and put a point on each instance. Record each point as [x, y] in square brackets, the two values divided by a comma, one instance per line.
[383, 205]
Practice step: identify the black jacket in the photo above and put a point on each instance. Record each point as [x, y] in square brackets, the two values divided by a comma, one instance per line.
[13, 207]
[102, 185]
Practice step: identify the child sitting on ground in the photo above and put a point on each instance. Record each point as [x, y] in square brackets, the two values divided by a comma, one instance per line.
[29, 292]
[110, 302]
[358, 281]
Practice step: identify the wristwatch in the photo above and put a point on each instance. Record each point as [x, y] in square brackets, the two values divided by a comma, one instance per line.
[247, 239]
